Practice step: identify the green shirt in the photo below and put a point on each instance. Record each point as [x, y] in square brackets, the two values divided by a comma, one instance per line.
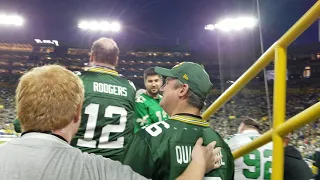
[17, 126]
[148, 111]
[107, 114]
[162, 150]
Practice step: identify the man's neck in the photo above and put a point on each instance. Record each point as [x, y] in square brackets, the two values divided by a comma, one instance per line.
[103, 65]
[249, 130]
[180, 109]
[151, 95]
[64, 133]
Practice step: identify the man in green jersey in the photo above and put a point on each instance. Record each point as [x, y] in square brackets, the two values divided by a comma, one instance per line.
[108, 109]
[162, 150]
[147, 108]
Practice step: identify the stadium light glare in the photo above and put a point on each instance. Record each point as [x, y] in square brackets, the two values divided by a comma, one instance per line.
[11, 20]
[233, 24]
[100, 26]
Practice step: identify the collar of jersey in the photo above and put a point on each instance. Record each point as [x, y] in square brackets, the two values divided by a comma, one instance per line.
[146, 95]
[103, 70]
[250, 131]
[190, 120]
[44, 136]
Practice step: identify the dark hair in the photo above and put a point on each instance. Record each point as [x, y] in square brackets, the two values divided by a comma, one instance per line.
[252, 123]
[149, 72]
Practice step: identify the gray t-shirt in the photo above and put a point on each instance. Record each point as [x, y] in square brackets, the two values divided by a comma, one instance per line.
[43, 156]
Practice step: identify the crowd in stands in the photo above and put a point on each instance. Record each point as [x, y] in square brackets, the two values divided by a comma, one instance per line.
[252, 103]
[7, 108]
[248, 103]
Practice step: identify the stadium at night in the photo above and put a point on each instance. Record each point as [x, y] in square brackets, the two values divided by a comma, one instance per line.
[244, 74]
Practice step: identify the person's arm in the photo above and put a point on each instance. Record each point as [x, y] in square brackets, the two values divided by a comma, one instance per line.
[139, 157]
[204, 159]
[98, 167]
[142, 117]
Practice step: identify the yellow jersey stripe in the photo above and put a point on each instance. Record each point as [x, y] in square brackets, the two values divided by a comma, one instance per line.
[190, 120]
[103, 70]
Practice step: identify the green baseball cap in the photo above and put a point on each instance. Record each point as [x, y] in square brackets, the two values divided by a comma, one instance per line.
[192, 74]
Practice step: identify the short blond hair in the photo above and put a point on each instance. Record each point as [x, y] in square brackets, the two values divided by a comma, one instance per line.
[105, 50]
[48, 98]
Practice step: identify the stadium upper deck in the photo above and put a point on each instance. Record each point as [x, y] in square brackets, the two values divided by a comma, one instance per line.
[16, 58]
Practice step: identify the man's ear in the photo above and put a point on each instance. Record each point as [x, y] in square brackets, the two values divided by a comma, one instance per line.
[184, 90]
[77, 117]
[91, 58]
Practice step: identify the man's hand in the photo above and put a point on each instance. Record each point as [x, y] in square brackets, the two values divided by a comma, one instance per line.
[204, 160]
[206, 156]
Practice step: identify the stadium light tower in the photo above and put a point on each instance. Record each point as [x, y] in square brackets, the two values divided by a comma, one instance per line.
[238, 24]
[233, 24]
[12, 20]
[100, 26]
[230, 25]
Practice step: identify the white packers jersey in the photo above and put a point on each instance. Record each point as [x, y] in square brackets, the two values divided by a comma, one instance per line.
[255, 165]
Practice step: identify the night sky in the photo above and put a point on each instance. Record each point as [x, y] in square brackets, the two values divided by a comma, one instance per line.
[150, 22]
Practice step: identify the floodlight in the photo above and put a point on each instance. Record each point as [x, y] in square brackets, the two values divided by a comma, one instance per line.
[115, 26]
[11, 20]
[83, 25]
[100, 26]
[209, 27]
[236, 24]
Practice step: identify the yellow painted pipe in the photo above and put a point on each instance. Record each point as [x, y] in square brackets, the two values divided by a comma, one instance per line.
[279, 110]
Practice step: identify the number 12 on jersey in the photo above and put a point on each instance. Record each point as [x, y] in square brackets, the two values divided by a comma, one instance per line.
[93, 110]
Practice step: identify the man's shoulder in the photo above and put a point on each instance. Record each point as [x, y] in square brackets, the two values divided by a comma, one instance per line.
[237, 140]
[156, 132]
[141, 99]
[210, 135]
[105, 78]
[233, 137]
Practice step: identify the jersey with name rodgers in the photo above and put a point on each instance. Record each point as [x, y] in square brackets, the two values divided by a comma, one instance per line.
[107, 114]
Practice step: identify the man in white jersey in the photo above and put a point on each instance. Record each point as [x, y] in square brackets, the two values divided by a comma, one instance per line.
[49, 101]
[257, 164]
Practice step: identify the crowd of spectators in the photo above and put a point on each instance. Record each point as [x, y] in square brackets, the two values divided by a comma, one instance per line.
[7, 108]
[253, 103]
[248, 103]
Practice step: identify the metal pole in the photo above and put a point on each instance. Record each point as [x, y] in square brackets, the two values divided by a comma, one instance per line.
[279, 110]
[264, 69]
[220, 73]
[319, 30]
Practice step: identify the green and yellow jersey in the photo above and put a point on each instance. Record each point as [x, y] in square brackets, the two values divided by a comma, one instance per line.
[162, 150]
[107, 113]
[148, 111]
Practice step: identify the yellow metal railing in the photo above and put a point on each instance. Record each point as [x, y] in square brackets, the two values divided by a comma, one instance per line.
[280, 127]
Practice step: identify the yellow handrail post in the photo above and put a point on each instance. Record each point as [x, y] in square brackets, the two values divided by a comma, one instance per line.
[279, 110]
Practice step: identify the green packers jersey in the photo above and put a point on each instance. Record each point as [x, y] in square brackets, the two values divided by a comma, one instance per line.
[162, 150]
[148, 111]
[107, 114]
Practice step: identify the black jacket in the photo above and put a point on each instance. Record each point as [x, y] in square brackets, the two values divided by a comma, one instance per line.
[295, 168]
[317, 163]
